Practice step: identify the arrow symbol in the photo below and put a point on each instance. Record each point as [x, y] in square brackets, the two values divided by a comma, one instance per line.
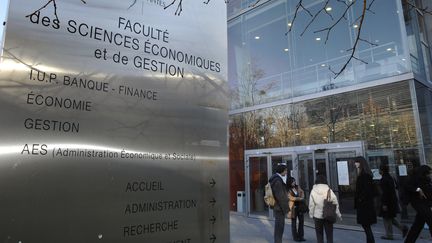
[213, 238]
[213, 219]
[213, 201]
[212, 182]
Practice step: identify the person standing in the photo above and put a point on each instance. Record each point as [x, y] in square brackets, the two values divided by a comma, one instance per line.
[419, 190]
[280, 209]
[364, 198]
[316, 205]
[389, 204]
[297, 208]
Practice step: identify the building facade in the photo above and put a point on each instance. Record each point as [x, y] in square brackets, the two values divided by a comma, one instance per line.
[289, 104]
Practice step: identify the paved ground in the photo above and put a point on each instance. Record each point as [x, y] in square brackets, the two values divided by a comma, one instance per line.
[260, 230]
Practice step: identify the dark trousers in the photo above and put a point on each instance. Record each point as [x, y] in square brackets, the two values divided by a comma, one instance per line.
[320, 226]
[297, 232]
[388, 226]
[279, 226]
[369, 234]
[424, 215]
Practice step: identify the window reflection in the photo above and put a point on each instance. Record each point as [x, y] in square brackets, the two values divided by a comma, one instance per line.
[424, 100]
[382, 116]
[300, 63]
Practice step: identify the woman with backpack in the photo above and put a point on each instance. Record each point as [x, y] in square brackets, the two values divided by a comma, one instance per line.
[364, 198]
[321, 192]
[297, 208]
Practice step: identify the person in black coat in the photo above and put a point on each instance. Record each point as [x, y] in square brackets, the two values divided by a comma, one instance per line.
[389, 204]
[280, 209]
[419, 192]
[364, 198]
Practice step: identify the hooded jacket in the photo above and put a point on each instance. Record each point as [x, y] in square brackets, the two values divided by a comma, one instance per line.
[279, 193]
[316, 201]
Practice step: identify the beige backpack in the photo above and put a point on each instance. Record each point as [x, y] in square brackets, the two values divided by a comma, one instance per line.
[268, 196]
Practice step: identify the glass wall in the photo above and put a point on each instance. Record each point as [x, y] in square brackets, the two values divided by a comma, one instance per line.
[381, 116]
[236, 6]
[417, 25]
[236, 159]
[428, 31]
[268, 64]
[424, 101]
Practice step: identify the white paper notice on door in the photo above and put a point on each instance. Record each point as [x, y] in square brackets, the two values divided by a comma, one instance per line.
[402, 170]
[343, 175]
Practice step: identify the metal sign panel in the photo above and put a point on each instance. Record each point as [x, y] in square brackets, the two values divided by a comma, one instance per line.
[3, 11]
[113, 122]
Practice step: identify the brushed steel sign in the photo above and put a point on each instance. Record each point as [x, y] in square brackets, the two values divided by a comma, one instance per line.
[113, 122]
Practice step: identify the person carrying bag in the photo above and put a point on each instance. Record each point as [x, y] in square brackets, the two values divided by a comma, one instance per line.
[324, 209]
[329, 209]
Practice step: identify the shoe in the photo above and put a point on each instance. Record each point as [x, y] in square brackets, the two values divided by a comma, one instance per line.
[302, 239]
[404, 231]
[386, 237]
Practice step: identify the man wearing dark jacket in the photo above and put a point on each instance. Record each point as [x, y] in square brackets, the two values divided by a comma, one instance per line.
[277, 182]
[419, 190]
[389, 204]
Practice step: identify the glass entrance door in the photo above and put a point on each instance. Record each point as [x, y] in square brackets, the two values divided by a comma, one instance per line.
[342, 178]
[321, 163]
[306, 175]
[278, 159]
[259, 170]
[257, 173]
[286, 158]
[304, 163]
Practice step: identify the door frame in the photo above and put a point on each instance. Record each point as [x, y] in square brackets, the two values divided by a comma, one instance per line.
[268, 155]
[358, 146]
[247, 180]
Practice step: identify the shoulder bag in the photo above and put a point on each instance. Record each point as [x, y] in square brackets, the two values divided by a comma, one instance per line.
[329, 209]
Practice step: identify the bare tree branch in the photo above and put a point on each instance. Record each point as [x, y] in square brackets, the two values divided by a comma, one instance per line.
[419, 9]
[254, 4]
[316, 15]
[44, 6]
[369, 7]
[353, 49]
[13, 57]
[207, 1]
[358, 59]
[299, 5]
[343, 16]
[132, 4]
[368, 42]
[55, 8]
[323, 9]
[179, 6]
[343, 2]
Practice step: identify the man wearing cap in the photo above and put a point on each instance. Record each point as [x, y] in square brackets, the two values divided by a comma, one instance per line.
[278, 185]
